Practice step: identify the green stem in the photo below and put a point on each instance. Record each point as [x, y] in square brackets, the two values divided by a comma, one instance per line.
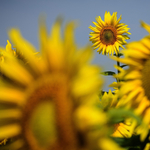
[118, 64]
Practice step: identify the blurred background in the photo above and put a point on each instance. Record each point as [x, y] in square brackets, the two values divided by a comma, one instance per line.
[24, 14]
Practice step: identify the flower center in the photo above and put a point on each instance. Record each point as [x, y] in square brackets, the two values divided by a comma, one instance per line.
[145, 78]
[108, 35]
[47, 115]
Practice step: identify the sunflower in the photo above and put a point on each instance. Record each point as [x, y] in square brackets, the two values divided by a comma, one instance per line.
[38, 105]
[134, 92]
[109, 102]
[108, 35]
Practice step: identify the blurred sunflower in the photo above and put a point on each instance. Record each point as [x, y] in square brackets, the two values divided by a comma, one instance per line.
[134, 92]
[109, 102]
[108, 35]
[37, 108]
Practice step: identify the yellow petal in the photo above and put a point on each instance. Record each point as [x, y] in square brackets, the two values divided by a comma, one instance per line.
[137, 54]
[11, 95]
[124, 130]
[9, 131]
[69, 40]
[107, 18]
[17, 72]
[130, 86]
[145, 42]
[43, 36]
[26, 49]
[96, 43]
[56, 55]
[8, 47]
[146, 26]
[139, 47]
[117, 22]
[86, 54]
[10, 113]
[97, 25]
[95, 117]
[107, 144]
[87, 81]
[114, 18]
[133, 94]
[94, 29]
[128, 61]
[144, 103]
[100, 21]
[132, 74]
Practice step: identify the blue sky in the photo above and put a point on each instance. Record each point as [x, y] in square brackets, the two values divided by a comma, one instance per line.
[24, 14]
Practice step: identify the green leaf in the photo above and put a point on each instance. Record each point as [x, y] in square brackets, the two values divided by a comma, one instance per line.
[108, 73]
[122, 66]
[101, 93]
[120, 54]
[117, 115]
[133, 143]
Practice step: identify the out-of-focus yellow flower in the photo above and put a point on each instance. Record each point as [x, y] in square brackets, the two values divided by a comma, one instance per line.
[125, 129]
[45, 94]
[84, 121]
[108, 100]
[135, 90]
[93, 122]
[108, 35]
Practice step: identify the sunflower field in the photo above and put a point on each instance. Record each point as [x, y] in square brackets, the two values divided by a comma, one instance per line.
[52, 98]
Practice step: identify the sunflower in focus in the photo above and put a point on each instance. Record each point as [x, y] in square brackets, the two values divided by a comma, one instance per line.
[45, 103]
[134, 92]
[109, 34]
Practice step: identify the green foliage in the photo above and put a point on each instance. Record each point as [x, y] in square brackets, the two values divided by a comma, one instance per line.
[117, 115]
[120, 54]
[108, 73]
[122, 66]
[133, 143]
